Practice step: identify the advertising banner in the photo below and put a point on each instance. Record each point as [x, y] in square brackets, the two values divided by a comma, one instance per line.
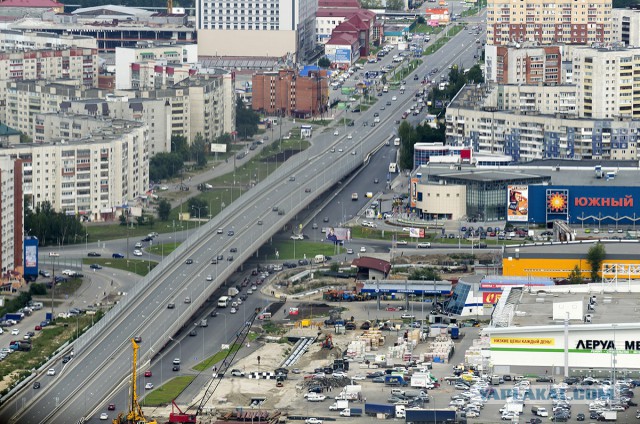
[218, 148]
[343, 56]
[337, 234]
[531, 341]
[491, 297]
[518, 203]
[414, 191]
[416, 232]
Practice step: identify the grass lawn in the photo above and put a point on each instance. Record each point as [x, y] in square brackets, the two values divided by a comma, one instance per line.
[405, 71]
[303, 248]
[212, 360]
[137, 266]
[163, 248]
[116, 231]
[168, 391]
[426, 29]
[442, 41]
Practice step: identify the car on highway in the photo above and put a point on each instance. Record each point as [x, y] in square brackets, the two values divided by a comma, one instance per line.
[407, 316]
[336, 133]
[187, 300]
[104, 416]
[148, 386]
[176, 361]
[193, 333]
[137, 252]
[93, 254]
[350, 251]
[147, 373]
[188, 261]
[313, 421]
[233, 310]
[237, 373]
[111, 407]
[233, 250]
[376, 181]
[36, 385]
[117, 256]
[230, 233]
[95, 266]
[171, 305]
[51, 371]
[229, 258]
[176, 367]
[209, 277]
[363, 249]
[394, 98]
[44, 273]
[325, 219]
[349, 137]
[15, 332]
[401, 242]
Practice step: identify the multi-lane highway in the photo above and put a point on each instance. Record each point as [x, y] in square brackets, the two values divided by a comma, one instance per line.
[102, 356]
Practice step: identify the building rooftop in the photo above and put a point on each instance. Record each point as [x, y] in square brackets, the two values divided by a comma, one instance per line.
[31, 3]
[616, 249]
[434, 172]
[372, 263]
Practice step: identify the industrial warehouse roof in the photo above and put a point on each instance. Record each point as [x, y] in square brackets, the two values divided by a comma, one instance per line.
[372, 263]
[615, 249]
[408, 286]
[470, 174]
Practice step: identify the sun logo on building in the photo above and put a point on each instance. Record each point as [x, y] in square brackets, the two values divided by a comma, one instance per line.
[557, 202]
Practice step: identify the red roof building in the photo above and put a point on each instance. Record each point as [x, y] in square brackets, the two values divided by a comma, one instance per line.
[15, 7]
[371, 268]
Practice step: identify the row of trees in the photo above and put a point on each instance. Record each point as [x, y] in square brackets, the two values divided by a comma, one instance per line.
[51, 227]
[410, 135]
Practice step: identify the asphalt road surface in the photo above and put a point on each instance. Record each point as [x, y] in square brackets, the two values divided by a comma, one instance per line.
[101, 367]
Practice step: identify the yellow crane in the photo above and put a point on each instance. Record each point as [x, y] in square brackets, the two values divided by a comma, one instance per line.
[135, 414]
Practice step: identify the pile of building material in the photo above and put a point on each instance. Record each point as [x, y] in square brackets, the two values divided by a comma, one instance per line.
[439, 350]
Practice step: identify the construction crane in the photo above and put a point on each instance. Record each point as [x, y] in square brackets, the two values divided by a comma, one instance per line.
[183, 417]
[135, 414]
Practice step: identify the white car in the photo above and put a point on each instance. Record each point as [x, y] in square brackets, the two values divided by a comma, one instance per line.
[209, 277]
[137, 252]
[363, 249]
[340, 374]
[51, 371]
[336, 132]
[350, 251]
[340, 150]
[359, 377]
[148, 386]
[349, 137]
[233, 310]
[104, 416]
[15, 332]
[394, 98]
[313, 421]
[408, 316]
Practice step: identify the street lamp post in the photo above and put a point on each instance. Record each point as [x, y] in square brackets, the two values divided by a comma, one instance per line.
[86, 242]
[198, 208]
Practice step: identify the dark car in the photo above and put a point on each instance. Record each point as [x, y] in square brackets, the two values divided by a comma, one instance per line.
[230, 233]
[95, 266]
[147, 239]
[193, 333]
[214, 313]
[375, 374]
[93, 254]
[220, 257]
[580, 417]
[117, 256]
[593, 415]
[44, 273]
[303, 262]
[375, 181]
[112, 407]
[230, 258]
[325, 219]
[544, 379]
[176, 368]
[137, 339]
[506, 377]
[36, 385]
[233, 250]
[315, 389]
[66, 359]
[189, 261]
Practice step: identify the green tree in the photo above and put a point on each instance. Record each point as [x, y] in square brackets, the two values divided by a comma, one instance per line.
[395, 5]
[246, 120]
[371, 4]
[198, 207]
[123, 219]
[199, 150]
[595, 257]
[334, 267]
[426, 274]
[475, 75]
[51, 227]
[575, 277]
[180, 145]
[165, 165]
[421, 19]
[164, 209]
[408, 138]
[324, 62]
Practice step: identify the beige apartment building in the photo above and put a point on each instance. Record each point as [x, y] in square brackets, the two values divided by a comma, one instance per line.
[548, 21]
[156, 113]
[607, 81]
[11, 214]
[149, 66]
[626, 26]
[534, 98]
[201, 104]
[92, 175]
[474, 119]
[68, 63]
[36, 40]
[22, 100]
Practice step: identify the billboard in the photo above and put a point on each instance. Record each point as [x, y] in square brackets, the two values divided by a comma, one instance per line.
[414, 192]
[342, 56]
[337, 234]
[416, 232]
[218, 148]
[518, 203]
[491, 297]
[30, 257]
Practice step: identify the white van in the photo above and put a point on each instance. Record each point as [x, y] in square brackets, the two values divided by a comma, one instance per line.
[319, 259]
[37, 306]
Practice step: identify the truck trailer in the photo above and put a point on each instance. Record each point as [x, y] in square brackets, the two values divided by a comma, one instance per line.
[438, 416]
[351, 412]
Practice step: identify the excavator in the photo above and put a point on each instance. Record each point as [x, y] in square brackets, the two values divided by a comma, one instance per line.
[183, 417]
[135, 414]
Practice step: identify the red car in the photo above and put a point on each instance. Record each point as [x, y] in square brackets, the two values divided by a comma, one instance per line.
[112, 407]
[391, 309]
[38, 328]
[147, 373]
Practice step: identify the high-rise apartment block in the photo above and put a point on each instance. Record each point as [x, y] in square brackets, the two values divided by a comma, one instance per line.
[288, 94]
[259, 28]
[548, 21]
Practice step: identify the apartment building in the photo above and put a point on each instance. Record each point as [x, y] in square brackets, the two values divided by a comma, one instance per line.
[607, 81]
[523, 64]
[22, 100]
[286, 93]
[11, 214]
[626, 25]
[202, 104]
[68, 63]
[258, 28]
[155, 112]
[149, 65]
[92, 174]
[549, 22]
[473, 119]
[536, 98]
[34, 40]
